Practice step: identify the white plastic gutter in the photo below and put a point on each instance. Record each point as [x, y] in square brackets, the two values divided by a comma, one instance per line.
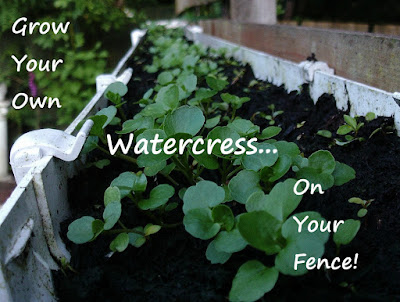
[42, 162]
[321, 79]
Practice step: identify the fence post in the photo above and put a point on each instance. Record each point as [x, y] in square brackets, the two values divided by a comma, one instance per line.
[3, 131]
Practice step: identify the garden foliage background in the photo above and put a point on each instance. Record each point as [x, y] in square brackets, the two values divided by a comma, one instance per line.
[96, 39]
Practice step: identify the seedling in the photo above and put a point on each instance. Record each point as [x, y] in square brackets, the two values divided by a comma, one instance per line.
[351, 128]
[270, 117]
[363, 203]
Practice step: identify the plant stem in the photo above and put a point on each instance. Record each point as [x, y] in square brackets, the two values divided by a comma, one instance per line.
[121, 112]
[233, 172]
[233, 114]
[199, 171]
[119, 155]
[183, 169]
[171, 180]
[171, 226]
[118, 231]
[122, 225]
[147, 213]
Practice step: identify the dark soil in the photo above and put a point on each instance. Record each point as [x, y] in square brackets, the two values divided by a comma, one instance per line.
[173, 266]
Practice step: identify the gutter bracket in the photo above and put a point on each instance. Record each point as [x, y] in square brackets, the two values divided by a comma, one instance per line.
[310, 67]
[31, 147]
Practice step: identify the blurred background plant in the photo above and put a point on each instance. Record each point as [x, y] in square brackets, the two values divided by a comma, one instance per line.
[97, 37]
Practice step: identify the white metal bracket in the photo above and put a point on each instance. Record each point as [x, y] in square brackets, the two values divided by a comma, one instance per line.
[309, 68]
[103, 80]
[34, 145]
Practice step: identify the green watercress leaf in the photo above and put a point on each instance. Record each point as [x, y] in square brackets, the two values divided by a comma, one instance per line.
[243, 185]
[343, 173]
[252, 281]
[205, 194]
[215, 256]
[120, 243]
[223, 215]
[158, 197]
[270, 132]
[111, 214]
[186, 119]
[346, 232]
[81, 230]
[261, 230]
[112, 194]
[258, 160]
[129, 181]
[199, 223]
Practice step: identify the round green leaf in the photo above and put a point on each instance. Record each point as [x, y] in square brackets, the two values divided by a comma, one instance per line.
[154, 169]
[270, 132]
[120, 243]
[116, 88]
[112, 194]
[212, 122]
[151, 229]
[141, 122]
[244, 127]
[216, 84]
[278, 170]
[286, 148]
[252, 281]
[230, 242]
[258, 160]
[111, 214]
[185, 119]
[322, 161]
[109, 112]
[90, 144]
[279, 203]
[290, 229]
[150, 159]
[325, 133]
[135, 239]
[222, 133]
[370, 116]
[129, 181]
[261, 230]
[223, 215]
[346, 232]
[215, 256]
[165, 78]
[362, 212]
[285, 260]
[187, 81]
[199, 223]
[209, 161]
[81, 230]
[168, 97]
[243, 185]
[205, 194]
[343, 173]
[158, 197]
[344, 129]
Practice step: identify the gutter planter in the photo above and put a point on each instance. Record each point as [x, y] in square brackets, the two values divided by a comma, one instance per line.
[209, 227]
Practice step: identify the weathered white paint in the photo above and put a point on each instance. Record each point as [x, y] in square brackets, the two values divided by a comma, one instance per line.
[34, 145]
